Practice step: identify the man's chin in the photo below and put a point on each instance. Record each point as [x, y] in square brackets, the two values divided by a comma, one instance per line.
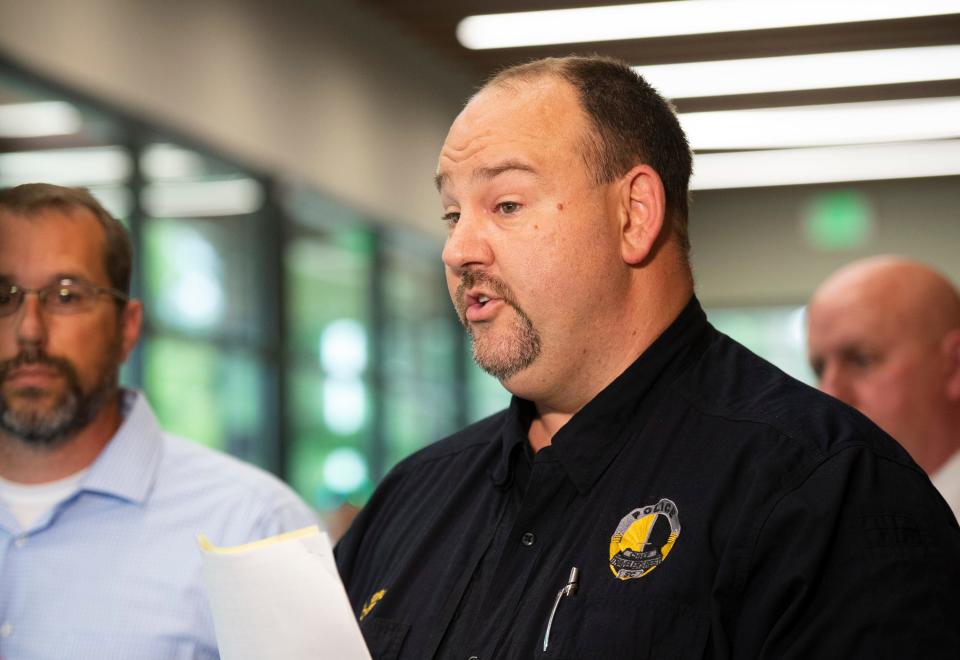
[32, 398]
[502, 365]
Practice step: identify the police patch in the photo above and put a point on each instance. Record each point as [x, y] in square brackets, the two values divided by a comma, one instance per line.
[643, 539]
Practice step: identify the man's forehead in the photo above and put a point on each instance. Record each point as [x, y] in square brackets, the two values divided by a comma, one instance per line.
[73, 238]
[48, 214]
[862, 318]
[503, 121]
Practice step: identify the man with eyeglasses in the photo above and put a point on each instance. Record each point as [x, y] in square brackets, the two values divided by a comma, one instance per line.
[99, 509]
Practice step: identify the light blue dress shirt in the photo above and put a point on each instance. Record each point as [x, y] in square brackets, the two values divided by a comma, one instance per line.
[113, 572]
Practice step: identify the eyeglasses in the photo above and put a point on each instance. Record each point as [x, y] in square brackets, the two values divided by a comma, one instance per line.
[64, 297]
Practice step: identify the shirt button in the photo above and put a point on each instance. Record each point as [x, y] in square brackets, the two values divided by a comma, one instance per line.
[21, 541]
[528, 539]
[6, 629]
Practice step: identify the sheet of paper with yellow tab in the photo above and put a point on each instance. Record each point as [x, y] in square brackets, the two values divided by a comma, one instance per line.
[280, 598]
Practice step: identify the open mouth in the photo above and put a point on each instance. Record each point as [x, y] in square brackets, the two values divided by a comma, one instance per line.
[477, 299]
[479, 306]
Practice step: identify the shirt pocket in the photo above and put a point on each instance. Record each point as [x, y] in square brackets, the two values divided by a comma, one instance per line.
[618, 628]
[384, 637]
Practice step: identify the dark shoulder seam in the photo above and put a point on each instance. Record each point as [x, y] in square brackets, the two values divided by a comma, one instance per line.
[744, 419]
[483, 432]
[743, 571]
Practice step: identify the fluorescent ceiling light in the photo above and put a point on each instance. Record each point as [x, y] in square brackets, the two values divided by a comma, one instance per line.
[40, 119]
[817, 125]
[198, 199]
[664, 19]
[118, 200]
[168, 161]
[752, 169]
[66, 167]
[819, 71]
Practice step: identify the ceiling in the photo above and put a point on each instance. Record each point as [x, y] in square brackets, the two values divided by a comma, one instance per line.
[434, 25]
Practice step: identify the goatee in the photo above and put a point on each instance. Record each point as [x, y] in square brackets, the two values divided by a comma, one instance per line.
[505, 356]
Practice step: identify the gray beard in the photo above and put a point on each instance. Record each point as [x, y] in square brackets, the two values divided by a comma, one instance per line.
[73, 411]
[513, 355]
[510, 356]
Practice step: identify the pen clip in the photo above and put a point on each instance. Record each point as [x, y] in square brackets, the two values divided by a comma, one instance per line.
[570, 589]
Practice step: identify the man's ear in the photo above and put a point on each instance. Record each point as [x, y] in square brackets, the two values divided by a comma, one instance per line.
[951, 355]
[642, 203]
[131, 321]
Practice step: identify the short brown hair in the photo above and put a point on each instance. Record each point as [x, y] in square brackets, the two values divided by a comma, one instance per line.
[31, 198]
[632, 124]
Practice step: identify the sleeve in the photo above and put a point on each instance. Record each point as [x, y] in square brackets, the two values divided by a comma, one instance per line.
[861, 560]
[284, 512]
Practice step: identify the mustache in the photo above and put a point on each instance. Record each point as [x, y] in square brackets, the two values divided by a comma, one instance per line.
[472, 278]
[37, 357]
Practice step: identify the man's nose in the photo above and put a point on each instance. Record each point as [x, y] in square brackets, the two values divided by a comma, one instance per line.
[31, 324]
[467, 245]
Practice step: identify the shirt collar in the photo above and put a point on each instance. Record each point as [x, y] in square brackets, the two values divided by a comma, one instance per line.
[513, 440]
[127, 467]
[593, 437]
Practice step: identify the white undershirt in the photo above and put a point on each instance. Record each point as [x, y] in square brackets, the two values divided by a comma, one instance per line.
[947, 481]
[28, 502]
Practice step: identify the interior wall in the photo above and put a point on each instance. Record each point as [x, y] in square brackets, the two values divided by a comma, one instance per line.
[314, 90]
[749, 246]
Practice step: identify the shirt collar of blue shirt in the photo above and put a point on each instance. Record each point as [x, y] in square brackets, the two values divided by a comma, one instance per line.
[127, 466]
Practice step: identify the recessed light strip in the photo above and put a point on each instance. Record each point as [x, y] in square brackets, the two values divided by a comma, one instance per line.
[87, 166]
[804, 72]
[198, 199]
[39, 119]
[822, 125]
[664, 19]
[784, 167]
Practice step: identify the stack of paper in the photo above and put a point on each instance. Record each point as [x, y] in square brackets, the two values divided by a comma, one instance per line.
[280, 598]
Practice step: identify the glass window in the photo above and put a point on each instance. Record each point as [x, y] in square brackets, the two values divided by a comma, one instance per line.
[328, 270]
[777, 334]
[206, 363]
[485, 393]
[200, 276]
[209, 395]
[44, 138]
[420, 394]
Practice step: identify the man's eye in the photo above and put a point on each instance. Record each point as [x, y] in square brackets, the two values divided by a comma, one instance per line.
[452, 217]
[68, 296]
[508, 207]
[817, 366]
[861, 360]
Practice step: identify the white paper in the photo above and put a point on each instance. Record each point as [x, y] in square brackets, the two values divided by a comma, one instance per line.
[281, 598]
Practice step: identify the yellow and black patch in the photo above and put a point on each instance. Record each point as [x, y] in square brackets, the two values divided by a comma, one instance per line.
[643, 539]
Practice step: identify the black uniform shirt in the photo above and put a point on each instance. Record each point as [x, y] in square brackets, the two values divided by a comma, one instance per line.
[713, 507]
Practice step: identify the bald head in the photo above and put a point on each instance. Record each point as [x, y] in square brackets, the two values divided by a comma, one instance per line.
[884, 336]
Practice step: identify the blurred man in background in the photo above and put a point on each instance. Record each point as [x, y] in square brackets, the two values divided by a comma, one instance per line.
[99, 509]
[884, 337]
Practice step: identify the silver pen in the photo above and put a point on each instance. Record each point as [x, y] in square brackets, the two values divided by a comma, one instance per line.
[570, 589]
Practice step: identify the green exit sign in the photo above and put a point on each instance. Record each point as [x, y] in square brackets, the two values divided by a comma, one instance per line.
[838, 220]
